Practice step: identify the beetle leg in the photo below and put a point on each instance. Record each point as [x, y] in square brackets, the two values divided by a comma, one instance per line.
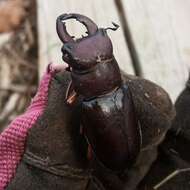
[71, 95]
[89, 152]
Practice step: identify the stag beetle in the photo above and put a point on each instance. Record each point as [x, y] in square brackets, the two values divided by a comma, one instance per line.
[109, 121]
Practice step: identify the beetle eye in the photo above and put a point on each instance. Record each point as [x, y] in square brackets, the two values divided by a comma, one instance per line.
[67, 53]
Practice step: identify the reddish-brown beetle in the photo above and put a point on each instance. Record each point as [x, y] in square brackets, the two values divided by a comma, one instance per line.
[109, 120]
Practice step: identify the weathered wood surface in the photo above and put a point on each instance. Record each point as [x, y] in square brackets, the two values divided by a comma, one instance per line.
[102, 12]
[160, 31]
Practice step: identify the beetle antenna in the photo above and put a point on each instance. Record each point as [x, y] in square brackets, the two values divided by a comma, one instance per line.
[114, 28]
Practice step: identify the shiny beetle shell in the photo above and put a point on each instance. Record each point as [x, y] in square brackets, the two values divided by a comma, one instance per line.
[112, 129]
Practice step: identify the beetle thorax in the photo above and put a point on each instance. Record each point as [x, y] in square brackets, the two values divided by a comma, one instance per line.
[99, 80]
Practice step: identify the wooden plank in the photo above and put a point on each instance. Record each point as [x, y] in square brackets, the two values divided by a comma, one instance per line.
[102, 12]
[160, 30]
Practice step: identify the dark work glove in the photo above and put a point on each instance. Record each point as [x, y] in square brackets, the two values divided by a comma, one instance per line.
[55, 156]
[12, 139]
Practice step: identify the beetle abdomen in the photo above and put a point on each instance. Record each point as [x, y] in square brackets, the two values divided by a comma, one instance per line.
[111, 127]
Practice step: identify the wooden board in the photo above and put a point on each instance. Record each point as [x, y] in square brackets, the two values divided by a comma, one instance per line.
[160, 30]
[102, 12]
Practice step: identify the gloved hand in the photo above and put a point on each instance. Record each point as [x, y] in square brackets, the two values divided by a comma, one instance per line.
[12, 139]
[55, 153]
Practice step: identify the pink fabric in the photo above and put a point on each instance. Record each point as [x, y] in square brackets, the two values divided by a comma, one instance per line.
[12, 140]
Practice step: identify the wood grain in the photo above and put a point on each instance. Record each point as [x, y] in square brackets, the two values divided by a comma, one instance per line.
[160, 30]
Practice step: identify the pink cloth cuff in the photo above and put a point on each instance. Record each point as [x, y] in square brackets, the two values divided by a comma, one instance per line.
[12, 139]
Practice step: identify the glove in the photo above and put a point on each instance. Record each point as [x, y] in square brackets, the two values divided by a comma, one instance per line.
[55, 152]
[12, 139]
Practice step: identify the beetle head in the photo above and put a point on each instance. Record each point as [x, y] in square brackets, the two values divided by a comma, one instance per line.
[84, 53]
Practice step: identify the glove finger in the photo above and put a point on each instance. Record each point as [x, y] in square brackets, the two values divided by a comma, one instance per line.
[41, 96]
[12, 139]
